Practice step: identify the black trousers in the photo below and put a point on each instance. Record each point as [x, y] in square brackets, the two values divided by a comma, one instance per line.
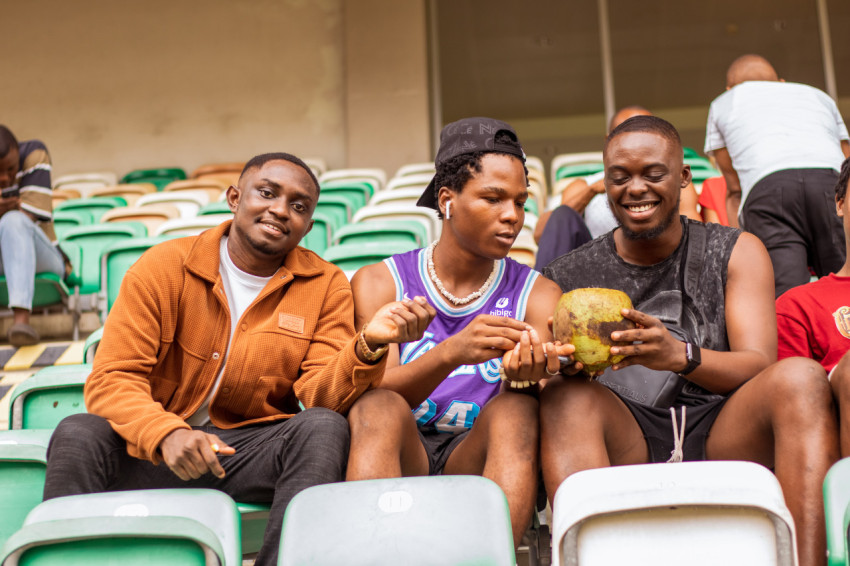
[793, 213]
[273, 462]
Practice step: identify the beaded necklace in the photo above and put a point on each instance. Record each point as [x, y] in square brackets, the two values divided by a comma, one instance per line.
[429, 257]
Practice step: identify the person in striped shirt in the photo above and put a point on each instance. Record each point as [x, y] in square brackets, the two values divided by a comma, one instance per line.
[27, 240]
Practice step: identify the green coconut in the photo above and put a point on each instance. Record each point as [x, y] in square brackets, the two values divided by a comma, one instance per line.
[586, 318]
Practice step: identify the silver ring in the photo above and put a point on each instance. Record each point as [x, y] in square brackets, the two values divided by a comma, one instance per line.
[557, 372]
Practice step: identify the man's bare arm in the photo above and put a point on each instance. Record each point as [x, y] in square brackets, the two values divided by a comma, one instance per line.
[845, 148]
[733, 184]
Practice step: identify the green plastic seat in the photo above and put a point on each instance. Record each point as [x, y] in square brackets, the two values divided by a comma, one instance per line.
[50, 289]
[336, 207]
[23, 460]
[70, 218]
[254, 518]
[357, 193]
[160, 176]
[382, 230]
[90, 345]
[531, 206]
[319, 237]
[578, 170]
[218, 207]
[351, 257]
[131, 528]
[48, 396]
[92, 240]
[117, 258]
[411, 521]
[690, 152]
[836, 500]
[700, 175]
[96, 206]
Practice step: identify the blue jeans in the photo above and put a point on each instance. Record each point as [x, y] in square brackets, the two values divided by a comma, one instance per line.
[25, 251]
[273, 462]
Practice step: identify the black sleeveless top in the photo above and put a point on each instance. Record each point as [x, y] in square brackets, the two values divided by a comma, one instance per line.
[657, 289]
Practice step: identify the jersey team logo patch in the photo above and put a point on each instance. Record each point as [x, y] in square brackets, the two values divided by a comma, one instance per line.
[502, 303]
[842, 321]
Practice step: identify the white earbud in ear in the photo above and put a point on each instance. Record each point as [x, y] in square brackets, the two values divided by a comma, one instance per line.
[448, 209]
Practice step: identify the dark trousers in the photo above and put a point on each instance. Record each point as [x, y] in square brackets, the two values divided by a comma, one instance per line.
[565, 231]
[272, 463]
[793, 213]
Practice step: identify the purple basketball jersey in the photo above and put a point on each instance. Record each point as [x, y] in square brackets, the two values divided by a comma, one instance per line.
[453, 406]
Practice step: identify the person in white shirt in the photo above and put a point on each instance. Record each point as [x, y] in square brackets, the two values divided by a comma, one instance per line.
[779, 146]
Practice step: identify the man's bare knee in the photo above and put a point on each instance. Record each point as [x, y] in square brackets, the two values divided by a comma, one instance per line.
[377, 408]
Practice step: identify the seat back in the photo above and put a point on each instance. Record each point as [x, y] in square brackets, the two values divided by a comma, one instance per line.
[159, 176]
[319, 237]
[732, 512]
[351, 257]
[92, 240]
[50, 289]
[96, 206]
[836, 499]
[426, 216]
[48, 396]
[399, 196]
[160, 526]
[23, 460]
[410, 521]
[187, 202]
[376, 177]
[382, 230]
[191, 226]
[63, 220]
[410, 182]
[117, 258]
[575, 164]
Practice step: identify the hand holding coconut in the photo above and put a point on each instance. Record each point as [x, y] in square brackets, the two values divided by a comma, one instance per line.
[531, 360]
[649, 344]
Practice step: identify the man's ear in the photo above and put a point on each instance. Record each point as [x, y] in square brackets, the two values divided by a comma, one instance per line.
[444, 195]
[839, 206]
[232, 197]
[686, 176]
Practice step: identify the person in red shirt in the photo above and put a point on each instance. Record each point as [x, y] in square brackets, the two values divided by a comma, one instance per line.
[813, 320]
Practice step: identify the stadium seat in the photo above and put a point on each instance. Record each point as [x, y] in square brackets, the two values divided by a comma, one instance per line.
[213, 187]
[116, 259]
[317, 164]
[152, 216]
[411, 521]
[90, 345]
[319, 237]
[48, 396]
[419, 182]
[172, 527]
[357, 193]
[189, 203]
[836, 499]
[84, 182]
[426, 216]
[23, 460]
[130, 192]
[96, 206]
[254, 517]
[524, 249]
[338, 208]
[191, 226]
[92, 240]
[424, 168]
[699, 513]
[375, 176]
[351, 257]
[575, 165]
[382, 230]
[226, 172]
[406, 196]
[159, 176]
[533, 163]
[218, 207]
[63, 220]
[61, 195]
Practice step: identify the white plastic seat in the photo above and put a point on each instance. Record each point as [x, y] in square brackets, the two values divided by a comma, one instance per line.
[85, 182]
[187, 202]
[534, 163]
[695, 513]
[191, 226]
[573, 159]
[418, 182]
[390, 211]
[407, 197]
[416, 169]
[524, 249]
[373, 175]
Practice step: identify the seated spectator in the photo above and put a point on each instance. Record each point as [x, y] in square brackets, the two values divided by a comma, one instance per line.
[587, 197]
[27, 240]
[703, 306]
[211, 350]
[813, 320]
[712, 201]
[442, 408]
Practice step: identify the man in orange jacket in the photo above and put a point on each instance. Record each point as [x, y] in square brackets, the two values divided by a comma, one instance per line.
[227, 358]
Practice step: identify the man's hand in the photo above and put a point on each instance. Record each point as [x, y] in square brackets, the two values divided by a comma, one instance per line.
[10, 203]
[484, 338]
[533, 360]
[657, 348]
[398, 322]
[192, 453]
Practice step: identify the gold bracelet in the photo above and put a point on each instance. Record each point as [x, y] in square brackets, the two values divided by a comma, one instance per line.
[371, 356]
[514, 384]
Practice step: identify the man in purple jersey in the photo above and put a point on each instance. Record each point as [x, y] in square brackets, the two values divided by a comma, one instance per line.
[471, 382]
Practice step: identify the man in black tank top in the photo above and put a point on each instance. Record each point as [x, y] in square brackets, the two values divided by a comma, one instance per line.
[740, 403]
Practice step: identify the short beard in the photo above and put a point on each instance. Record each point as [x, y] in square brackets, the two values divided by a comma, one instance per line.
[259, 246]
[652, 233]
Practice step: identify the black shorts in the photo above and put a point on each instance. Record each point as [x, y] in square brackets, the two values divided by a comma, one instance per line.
[657, 427]
[439, 446]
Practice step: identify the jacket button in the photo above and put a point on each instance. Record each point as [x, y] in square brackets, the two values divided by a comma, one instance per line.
[225, 390]
[244, 327]
[215, 355]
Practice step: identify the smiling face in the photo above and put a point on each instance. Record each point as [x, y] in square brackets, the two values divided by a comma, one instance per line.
[644, 177]
[488, 213]
[273, 208]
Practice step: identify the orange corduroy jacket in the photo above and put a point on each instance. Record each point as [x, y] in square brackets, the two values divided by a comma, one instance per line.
[168, 331]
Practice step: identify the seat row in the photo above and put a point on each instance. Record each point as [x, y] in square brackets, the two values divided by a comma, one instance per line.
[732, 512]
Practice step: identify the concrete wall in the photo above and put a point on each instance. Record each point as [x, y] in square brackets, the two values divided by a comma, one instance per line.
[123, 85]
